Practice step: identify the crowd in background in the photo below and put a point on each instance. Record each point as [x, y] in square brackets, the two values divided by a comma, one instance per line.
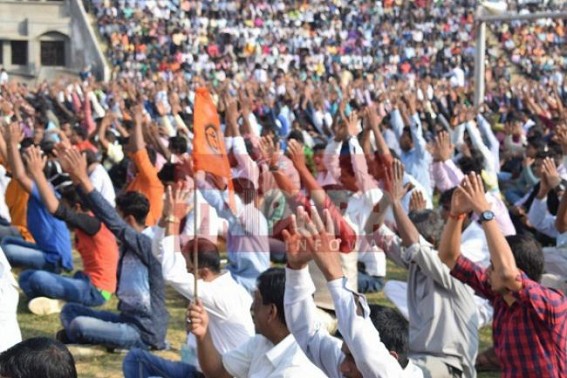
[347, 129]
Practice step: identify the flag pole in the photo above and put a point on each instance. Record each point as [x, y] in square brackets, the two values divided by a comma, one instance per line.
[195, 244]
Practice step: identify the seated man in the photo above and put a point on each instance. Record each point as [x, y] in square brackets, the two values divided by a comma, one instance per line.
[227, 303]
[442, 312]
[37, 357]
[95, 243]
[529, 327]
[364, 352]
[273, 352]
[143, 317]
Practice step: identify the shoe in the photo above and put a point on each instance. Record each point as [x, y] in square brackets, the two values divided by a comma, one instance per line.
[62, 337]
[83, 350]
[45, 306]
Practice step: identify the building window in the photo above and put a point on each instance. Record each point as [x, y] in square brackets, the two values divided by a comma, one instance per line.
[19, 53]
[52, 53]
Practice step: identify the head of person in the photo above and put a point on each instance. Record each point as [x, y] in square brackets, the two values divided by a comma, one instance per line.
[473, 163]
[394, 334]
[445, 203]
[208, 263]
[245, 189]
[406, 141]
[268, 304]
[38, 357]
[133, 207]
[318, 157]
[78, 135]
[347, 177]
[535, 145]
[429, 224]
[538, 162]
[528, 256]
[178, 145]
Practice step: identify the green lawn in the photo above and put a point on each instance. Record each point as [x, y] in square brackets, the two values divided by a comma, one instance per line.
[110, 365]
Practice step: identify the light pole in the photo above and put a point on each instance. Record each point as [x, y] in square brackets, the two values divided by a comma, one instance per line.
[482, 18]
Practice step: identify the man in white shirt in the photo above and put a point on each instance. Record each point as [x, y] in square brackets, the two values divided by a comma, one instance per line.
[273, 352]
[363, 353]
[226, 302]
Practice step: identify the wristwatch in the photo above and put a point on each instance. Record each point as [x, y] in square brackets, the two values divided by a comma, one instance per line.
[486, 216]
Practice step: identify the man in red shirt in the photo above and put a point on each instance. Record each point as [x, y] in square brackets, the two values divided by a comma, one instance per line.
[529, 327]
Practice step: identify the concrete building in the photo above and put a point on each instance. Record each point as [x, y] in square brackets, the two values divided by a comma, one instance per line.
[41, 39]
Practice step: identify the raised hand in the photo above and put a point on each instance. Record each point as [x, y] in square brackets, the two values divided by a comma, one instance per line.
[35, 161]
[197, 319]
[553, 178]
[396, 190]
[13, 133]
[295, 241]
[442, 147]
[473, 196]
[75, 164]
[549, 178]
[417, 201]
[176, 201]
[296, 154]
[352, 124]
[372, 117]
[269, 150]
[323, 244]
[231, 110]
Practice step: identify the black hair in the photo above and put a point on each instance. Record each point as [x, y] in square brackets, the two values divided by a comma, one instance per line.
[245, 189]
[271, 286]
[297, 135]
[473, 163]
[82, 132]
[393, 329]
[446, 197]
[167, 173]
[135, 204]
[178, 145]
[429, 224]
[70, 195]
[556, 151]
[319, 147]
[528, 255]
[38, 357]
[537, 142]
[90, 155]
[207, 252]
[25, 143]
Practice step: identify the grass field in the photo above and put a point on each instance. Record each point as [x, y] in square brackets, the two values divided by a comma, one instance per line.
[109, 365]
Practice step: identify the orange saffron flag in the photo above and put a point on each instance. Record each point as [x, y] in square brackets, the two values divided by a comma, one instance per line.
[209, 152]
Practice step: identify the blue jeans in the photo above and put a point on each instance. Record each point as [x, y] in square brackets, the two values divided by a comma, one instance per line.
[9, 231]
[369, 284]
[84, 325]
[142, 364]
[79, 289]
[27, 255]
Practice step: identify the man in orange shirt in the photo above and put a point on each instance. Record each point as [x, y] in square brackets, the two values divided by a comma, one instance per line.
[146, 179]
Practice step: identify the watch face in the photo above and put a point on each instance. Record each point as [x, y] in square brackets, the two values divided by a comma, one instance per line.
[487, 215]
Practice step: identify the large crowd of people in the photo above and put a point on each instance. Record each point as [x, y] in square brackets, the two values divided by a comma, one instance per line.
[349, 141]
